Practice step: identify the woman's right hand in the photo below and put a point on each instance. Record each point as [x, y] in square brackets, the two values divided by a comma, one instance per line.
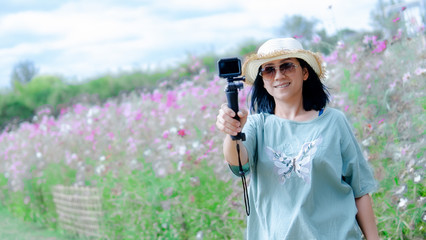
[226, 123]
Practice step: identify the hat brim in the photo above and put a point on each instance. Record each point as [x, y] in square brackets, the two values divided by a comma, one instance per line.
[252, 63]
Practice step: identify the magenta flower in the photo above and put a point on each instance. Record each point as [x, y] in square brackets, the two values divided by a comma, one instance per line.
[380, 47]
[182, 132]
[346, 108]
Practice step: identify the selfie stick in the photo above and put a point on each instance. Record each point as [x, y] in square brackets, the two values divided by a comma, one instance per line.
[232, 96]
[231, 68]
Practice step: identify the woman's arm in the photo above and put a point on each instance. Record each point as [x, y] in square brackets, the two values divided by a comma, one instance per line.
[226, 123]
[365, 217]
[230, 151]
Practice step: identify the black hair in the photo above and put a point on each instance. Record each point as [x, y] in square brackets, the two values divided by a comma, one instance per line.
[314, 93]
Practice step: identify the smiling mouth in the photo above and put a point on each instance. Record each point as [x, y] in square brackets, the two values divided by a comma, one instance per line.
[283, 85]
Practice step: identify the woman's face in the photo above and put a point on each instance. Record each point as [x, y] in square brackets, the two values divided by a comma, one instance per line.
[283, 79]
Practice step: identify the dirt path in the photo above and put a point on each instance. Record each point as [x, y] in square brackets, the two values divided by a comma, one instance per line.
[12, 228]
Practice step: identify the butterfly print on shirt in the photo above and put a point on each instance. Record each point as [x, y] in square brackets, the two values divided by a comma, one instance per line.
[300, 164]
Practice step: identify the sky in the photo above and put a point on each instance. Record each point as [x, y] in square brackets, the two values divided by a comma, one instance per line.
[82, 39]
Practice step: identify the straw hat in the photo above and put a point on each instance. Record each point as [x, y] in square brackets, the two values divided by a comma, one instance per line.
[280, 48]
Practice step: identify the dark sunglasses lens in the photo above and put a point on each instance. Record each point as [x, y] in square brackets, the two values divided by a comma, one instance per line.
[286, 67]
[269, 70]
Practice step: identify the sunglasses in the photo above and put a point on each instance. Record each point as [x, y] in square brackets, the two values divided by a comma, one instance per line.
[268, 73]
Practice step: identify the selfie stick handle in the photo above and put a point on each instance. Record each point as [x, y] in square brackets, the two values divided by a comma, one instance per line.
[232, 96]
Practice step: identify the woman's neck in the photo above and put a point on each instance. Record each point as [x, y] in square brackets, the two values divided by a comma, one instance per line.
[294, 112]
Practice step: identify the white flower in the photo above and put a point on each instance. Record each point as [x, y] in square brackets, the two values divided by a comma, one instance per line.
[199, 235]
[102, 158]
[161, 172]
[182, 150]
[400, 190]
[173, 130]
[65, 128]
[181, 120]
[39, 155]
[368, 141]
[100, 169]
[406, 77]
[195, 144]
[417, 178]
[419, 71]
[147, 152]
[92, 112]
[402, 202]
[180, 165]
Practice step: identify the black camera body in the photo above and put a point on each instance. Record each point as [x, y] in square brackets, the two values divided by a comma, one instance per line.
[230, 68]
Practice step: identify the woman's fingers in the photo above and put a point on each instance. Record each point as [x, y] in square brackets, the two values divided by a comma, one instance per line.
[225, 121]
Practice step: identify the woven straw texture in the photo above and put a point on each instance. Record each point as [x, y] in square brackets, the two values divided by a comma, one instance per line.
[78, 209]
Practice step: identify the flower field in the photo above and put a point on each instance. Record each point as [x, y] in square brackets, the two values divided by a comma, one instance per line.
[157, 156]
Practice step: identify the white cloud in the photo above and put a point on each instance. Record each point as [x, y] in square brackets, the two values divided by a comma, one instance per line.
[85, 38]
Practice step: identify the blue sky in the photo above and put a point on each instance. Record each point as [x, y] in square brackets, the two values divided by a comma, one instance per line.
[85, 38]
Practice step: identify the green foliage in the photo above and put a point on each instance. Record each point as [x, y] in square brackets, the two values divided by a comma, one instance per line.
[138, 204]
[396, 221]
[350, 87]
[13, 109]
[35, 202]
[53, 92]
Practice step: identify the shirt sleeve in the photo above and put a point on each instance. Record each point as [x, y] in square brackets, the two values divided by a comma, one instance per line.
[356, 170]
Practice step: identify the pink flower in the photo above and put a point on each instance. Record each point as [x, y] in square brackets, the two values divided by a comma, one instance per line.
[392, 85]
[316, 39]
[171, 99]
[332, 58]
[165, 134]
[367, 76]
[138, 116]
[396, 19]
[110, 135]
[380, 47]
[182, 132]
[381, 121]
[378, 64]
[353, 58]
[156, 96]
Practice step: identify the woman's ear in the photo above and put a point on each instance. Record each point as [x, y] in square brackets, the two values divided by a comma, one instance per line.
[305, 74]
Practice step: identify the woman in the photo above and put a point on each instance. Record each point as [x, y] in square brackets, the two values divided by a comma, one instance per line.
[309, 179]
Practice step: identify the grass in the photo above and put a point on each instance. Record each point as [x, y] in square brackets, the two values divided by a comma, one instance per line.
[13, 228]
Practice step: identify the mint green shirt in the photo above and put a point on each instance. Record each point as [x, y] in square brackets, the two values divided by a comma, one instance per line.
[304, 177]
